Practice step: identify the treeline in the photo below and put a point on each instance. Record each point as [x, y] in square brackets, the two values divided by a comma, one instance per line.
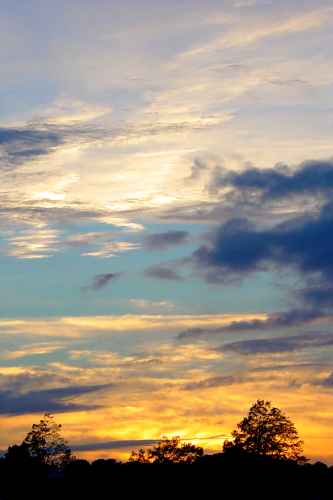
[264, 459]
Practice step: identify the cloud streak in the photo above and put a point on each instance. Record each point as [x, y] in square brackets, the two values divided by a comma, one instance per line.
[162, 272]
[239, 248]
[163, 241]
[279, 344]
[287, 319]
[102, 280]
[313, 177]
[114, 444]
[53, 400]
[218, 381]
[19, 145]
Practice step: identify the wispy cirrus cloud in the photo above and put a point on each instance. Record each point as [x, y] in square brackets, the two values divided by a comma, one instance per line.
[237, 36]
[34, 243]
[110, 249]
[84, 326]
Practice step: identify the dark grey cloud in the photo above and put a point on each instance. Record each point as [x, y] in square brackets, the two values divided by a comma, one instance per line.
[33, 140]
[286, 319]
[47, 400]
[303, 243]
[114, 444]
[197, 168]
[319, 296]
[233, 206]
[39, 138]
[289, 366]
[18, 145]
[128, 443]
[238, 247]
[162, 241]
[26, 382]
[162, 273]
[327, 382]
[279, 344]
[311, 177]
[218, 381]
[101, 280]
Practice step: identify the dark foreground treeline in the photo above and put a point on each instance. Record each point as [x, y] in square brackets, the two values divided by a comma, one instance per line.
[263, 460]
[223, 475]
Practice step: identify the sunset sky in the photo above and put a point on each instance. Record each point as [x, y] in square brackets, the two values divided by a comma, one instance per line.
[166, 219]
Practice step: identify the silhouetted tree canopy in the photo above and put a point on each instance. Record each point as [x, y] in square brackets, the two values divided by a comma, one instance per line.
[45, 443]
[168, 451]
[267, 431]
[42, 466]
[18, 455]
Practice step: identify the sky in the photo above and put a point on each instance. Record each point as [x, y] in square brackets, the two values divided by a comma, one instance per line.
[166, 219]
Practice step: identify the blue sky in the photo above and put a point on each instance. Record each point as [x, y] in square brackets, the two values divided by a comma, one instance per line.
[165, 217]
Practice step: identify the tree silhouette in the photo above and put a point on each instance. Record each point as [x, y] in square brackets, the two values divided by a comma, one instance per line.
[45, 443]
[141, 456]
[267, 431]
[18, 455]
[168, 451]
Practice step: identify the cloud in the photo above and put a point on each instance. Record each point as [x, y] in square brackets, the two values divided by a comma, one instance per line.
[198, 167]
[110, 249]
[162, 241]
[218, 381]
[326, 382]
[19, 145]
[33, 243]
[238, 247]
[239, 4]
[153, 305]
[162, 273]
[286, 319]
[76, 327]
[170, 125]
[114, 444]
[47, 400]
[240, 36]
[313, 177]
[100, 244]
[101, 280]
[279, 344]
[85, 239]
[318, 297]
